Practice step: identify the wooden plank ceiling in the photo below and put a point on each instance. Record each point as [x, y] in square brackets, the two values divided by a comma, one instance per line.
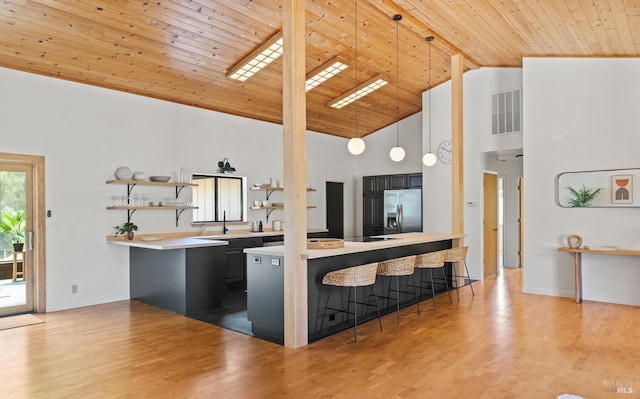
[180, 50]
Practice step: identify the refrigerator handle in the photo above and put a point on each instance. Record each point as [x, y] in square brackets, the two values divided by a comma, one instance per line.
[400, 217]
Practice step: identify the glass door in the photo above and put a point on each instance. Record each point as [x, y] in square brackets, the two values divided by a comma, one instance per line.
[16, 208]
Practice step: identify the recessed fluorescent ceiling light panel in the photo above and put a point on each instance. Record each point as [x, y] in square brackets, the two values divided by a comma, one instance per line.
[257, 59]
[358, 92]
[324, 72]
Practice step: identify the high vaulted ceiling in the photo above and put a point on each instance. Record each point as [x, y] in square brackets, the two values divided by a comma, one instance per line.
[180, 50]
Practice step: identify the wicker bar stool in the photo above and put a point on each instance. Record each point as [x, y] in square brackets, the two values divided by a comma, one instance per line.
[404, 266]
[433, 260]
[357, 276]
[459, 255]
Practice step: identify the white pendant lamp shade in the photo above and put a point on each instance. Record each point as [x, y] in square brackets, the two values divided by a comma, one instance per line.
[397, 154]
[429, 159]
[356, 146]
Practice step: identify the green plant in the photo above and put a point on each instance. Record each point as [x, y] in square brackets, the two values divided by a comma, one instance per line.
[13, 224]
[128, 227]
[582, 197]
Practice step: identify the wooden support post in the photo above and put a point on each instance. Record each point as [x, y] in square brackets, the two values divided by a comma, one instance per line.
[457, 174]
[295, 175]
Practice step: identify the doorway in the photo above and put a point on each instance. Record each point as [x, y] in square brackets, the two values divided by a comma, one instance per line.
[490, 225]
[22, 211]
[335, 209]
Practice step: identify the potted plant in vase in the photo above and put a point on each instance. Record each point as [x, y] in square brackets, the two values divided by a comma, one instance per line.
[582, 197]
[127, 228]
[13, 224]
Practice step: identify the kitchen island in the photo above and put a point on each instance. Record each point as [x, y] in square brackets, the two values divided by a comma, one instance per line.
[186, 273]
[265, 280]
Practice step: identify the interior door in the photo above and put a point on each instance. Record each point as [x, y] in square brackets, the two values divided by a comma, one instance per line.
[16, 208]
[520, 220]
[490, 188]
[335, 209]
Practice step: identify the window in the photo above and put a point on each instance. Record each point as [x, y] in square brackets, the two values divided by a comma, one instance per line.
[219, 197]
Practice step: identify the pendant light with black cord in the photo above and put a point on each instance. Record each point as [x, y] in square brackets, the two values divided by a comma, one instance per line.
[356, 145]
[429, 159]
[397, 153]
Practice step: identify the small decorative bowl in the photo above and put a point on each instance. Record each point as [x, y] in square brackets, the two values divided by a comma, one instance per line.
[162, 179]
[139, 176]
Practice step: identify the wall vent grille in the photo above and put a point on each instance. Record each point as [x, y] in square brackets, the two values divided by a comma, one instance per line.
[506, 112]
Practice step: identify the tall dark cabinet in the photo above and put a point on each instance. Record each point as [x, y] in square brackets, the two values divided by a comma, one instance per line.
[373, 198]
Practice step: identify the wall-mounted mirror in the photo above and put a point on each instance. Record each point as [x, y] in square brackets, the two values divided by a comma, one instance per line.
[612, 188]
[219, 197]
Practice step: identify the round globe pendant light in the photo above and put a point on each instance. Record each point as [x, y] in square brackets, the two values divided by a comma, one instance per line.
[356, 146]
[397, 153]
[429, 159]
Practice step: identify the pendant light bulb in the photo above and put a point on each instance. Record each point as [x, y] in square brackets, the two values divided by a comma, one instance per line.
[429, 159]
[397, 154]
[356, 146]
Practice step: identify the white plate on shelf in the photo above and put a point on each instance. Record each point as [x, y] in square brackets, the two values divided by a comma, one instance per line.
[151, 238]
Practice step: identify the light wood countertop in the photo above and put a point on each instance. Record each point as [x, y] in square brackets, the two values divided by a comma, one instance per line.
[190, 240]
[354, 247]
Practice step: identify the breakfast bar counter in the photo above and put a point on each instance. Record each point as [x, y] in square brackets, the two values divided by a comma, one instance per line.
[265, 279]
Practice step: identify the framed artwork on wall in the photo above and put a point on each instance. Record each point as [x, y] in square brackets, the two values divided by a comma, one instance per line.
[622, 189]
[604, 188]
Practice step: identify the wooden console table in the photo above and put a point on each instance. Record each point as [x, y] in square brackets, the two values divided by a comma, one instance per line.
[577, 261]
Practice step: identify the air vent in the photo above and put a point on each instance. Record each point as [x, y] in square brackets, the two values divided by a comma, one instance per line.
[506, 112]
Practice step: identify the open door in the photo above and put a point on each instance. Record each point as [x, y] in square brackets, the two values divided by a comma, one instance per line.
[490, 196]
[22, 201]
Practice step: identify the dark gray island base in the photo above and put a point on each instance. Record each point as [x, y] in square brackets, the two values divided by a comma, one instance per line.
[265, 288]
[183, 280]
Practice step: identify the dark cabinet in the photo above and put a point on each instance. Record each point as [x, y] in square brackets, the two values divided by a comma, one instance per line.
[398, 182]
[414, 180]
[382, 183]
[236, 260]
[369, 217]
[373, 198]
[321, 234]
[368, 185]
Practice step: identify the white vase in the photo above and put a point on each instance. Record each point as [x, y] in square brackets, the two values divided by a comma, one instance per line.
[123, 173]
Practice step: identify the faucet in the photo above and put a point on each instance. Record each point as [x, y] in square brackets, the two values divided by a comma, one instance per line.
[224, 222]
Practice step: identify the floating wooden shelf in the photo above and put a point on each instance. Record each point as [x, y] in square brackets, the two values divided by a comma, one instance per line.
[269, 190]
[151, 183]
[132, 208]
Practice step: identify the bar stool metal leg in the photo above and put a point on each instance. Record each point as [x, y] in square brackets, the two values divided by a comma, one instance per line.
[469, 277]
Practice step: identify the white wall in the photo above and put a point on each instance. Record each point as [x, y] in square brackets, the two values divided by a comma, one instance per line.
[478, 85]
[579, 114]
[86, 132]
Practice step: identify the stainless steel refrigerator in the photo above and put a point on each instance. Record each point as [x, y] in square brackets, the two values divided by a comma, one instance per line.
[402, 211]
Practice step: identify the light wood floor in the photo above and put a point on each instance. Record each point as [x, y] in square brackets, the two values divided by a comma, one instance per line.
[500, 344]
